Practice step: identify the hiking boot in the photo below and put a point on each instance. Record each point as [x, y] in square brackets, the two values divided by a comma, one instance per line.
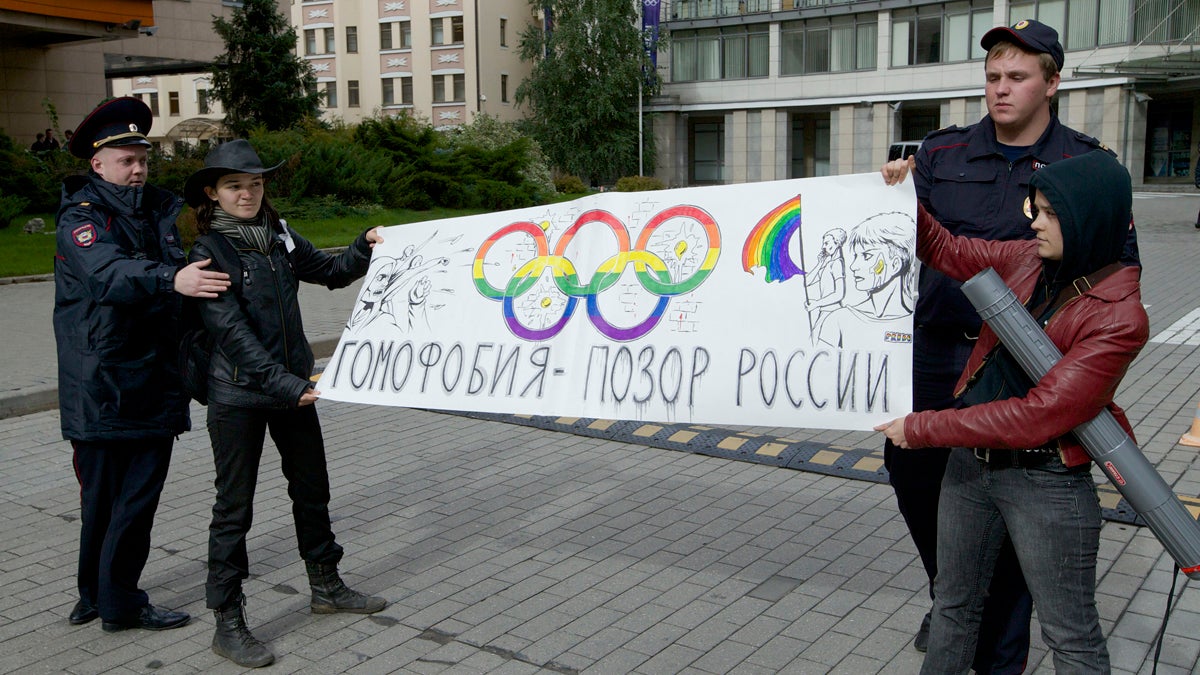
[233, 639]
[330, 594]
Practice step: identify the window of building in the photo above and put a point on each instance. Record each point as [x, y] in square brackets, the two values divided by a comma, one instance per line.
[405, 35]
[939, 33]
[389, 92]
[733, 52]
[330, 94]
[503, 32]
[406, 90]
[460, 87]
[352, 93]
[385, 36]
[503, 88]
[310, 42]
[825, 45]
[172, 103]
[439, 88]
[706, 148]
[437, 29]
[457, 34]
[330, 43]
[351, 39]
[810, 149]
[202, 101]
[1085, 24]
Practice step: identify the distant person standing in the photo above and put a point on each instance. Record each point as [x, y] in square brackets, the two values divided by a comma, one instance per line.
[51, 142]
[40, 144]
[119, 272]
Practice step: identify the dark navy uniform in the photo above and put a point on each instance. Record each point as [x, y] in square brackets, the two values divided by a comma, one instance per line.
[115, 322]
[965, 182]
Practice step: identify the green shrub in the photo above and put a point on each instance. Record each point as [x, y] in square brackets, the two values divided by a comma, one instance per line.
[639, 184]
[11, 206]
[569, 184]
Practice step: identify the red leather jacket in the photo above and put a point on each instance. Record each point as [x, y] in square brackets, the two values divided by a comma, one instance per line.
[1099, 334]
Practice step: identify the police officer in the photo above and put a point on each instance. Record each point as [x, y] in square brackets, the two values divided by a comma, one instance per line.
[975, 181]
[119, 273]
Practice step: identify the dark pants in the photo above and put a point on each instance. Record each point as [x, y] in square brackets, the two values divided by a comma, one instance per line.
[237, 436]
[916, 478]
[120, 484]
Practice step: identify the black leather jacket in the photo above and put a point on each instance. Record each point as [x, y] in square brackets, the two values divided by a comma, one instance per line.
[116, 312]
[262, 358]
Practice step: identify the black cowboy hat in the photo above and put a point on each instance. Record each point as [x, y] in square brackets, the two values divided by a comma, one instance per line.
[232, 157]
[121, 121]
[1034, 36]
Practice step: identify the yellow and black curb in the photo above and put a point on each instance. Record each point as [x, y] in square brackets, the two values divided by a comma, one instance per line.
[830, 460]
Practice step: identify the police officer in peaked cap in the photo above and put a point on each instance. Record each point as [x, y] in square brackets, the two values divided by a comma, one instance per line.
[119, 275]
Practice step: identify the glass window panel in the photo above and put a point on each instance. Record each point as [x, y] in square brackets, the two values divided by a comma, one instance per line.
[1021, 10]
[683, 60]
[406, 94]
[958, 35]
[1114, 22]
[1053, 13]
[1081, 24]
[460, 87]
[352, 39]
[791, 52]
[866, 46]
[734, 48]
[928, 46]
[708, 58]
[310, 41]
[816, 51]
[981, 22]
[437, 28]
[385, 36]
[902, 43]
[456, 30]
[759, 55]
[352, 93]
[331, 94]
[329, 41]
[841, 48]
[389, 92]
[821, 147]
[405, 35]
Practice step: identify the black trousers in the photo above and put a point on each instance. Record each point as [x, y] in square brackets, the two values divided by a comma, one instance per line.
[916, 477]
[120, 484]
[237, 436]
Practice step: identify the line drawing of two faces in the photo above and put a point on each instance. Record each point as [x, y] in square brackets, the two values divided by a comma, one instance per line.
[883, 270]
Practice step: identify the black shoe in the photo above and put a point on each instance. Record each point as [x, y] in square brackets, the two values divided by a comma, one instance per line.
[1198, 224]
[83, 613]
[151, 618]
[234, 641]
[330, 594]
[921, 642]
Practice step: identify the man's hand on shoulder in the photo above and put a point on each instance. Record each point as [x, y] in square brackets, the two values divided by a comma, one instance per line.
[196, 282]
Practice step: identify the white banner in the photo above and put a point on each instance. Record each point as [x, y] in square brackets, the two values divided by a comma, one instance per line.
[785, 303]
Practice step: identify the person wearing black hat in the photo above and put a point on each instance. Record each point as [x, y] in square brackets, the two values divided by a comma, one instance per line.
[119, 274]
[259, 381]
[1016, 472]
[973, 180]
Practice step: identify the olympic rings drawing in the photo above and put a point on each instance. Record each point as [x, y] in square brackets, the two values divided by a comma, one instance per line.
[651, 271]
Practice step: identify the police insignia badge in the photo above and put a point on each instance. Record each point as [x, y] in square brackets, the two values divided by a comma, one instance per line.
[84, 235]
[1028, 211]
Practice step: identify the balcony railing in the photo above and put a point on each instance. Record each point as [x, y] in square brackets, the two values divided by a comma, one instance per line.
[707, 9]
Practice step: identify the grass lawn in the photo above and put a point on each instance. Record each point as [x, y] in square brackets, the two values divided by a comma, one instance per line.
[24, 254]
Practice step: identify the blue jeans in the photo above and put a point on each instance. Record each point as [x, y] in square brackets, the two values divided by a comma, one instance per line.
[1052, 515]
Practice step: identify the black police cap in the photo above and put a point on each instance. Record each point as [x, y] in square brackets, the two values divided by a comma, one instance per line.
[1032, 35]
[121, 121]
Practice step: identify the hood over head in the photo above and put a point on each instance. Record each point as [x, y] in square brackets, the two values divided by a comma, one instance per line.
[1093, 197]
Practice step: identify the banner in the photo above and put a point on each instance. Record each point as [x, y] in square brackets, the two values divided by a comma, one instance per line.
[785, 303]
[650, 19]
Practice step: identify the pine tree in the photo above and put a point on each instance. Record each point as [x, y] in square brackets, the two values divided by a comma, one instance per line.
[259, 79]
[583, 92]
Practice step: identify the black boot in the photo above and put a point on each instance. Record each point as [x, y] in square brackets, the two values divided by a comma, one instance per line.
[233, 639]
[330, 595]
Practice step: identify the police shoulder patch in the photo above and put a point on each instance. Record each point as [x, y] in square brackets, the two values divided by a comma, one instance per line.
[84, 235]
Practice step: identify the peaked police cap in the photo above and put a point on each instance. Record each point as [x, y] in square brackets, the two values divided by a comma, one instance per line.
[121, 121]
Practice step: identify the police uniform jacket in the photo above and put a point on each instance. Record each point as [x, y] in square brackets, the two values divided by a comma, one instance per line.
[262, 358]
[974, 191]
[116, 311]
